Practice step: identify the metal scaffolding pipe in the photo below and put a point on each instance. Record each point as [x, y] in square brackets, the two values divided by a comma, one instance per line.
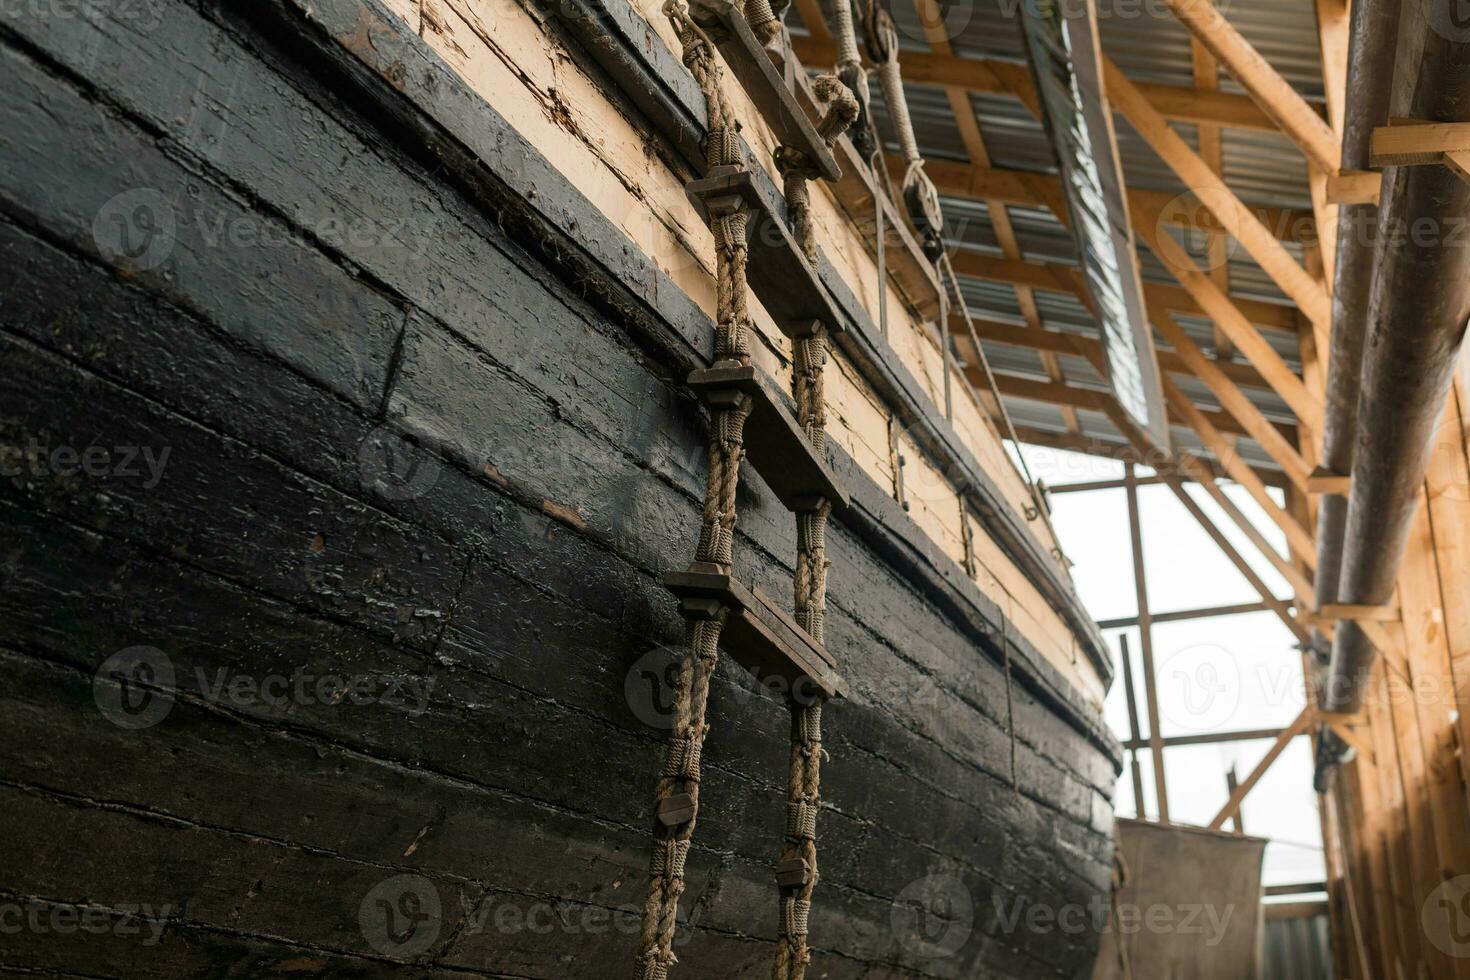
[1418, 304]
[1373, 39]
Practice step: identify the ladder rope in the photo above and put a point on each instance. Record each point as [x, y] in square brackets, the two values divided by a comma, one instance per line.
[677, 796]
[919, 192]
[797, 871]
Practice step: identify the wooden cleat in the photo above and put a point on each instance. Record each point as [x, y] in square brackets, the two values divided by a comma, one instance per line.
[677, 810]
[774, 443]
[778, 271]
[758, 634]
[793, 873]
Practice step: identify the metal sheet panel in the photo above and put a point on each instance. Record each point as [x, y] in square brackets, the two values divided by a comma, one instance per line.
[1066, 66]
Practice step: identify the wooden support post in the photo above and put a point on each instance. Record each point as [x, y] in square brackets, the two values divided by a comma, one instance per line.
[1232, 805]
[1321, 480]
[1130, 694]
[1145, 632]
[1417, 144]
[1368, 614]
[1237, 822]
[1354, 187]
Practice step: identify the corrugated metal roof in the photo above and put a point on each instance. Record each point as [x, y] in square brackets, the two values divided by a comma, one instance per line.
[1296, 949]
[1149, 44]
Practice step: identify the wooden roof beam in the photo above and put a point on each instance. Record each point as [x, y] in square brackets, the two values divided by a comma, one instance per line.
[1230, 318]
[1213, 193]
[1056, 342]
[1267, 88]
[1064, 395]
[1300, 584]
[992, 77]
[1297, 538]
[1026, 188]
[1232, 806]
[1110, 449]
[1172, 477]
[1276, 445]
[1000, 219]
[1060, 278]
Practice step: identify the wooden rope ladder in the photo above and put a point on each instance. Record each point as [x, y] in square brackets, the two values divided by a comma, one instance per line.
[677, 796]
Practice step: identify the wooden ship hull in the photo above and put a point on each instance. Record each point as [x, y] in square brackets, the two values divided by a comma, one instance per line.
[367, 328]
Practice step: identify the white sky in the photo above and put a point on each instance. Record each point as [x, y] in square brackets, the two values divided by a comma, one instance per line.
[1222, 674]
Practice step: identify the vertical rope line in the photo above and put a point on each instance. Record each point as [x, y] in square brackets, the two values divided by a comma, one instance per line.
[797, 872]
[677, 796]
[1005, 646]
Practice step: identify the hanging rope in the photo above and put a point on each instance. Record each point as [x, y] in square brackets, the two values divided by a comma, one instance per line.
[950, 282]
[849, 68]
[765, 19]
[919, 192]
[677, 796]
[796, 873]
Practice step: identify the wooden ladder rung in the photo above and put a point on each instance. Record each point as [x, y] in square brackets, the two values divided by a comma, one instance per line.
[763, 81]
[777, 269]
[761, 636]
[774, 443]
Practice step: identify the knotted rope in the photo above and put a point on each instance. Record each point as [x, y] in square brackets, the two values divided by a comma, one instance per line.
[677, 796]
[797, 168]
[850, 69]
[764, 18]
[797, 871]
[919, 192]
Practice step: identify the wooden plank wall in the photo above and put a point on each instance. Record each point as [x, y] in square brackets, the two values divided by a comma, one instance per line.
[508, 57]
[325, 277]
[1403, 818]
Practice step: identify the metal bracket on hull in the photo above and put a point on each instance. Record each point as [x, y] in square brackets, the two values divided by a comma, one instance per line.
[761, 636]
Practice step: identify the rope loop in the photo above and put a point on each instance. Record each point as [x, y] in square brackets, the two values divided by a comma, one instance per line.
[842, 109]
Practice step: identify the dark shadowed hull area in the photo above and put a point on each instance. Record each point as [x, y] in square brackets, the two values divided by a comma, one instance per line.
[289, 694]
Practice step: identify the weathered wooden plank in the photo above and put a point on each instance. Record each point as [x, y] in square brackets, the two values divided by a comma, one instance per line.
[245, 269]
[214, 502]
